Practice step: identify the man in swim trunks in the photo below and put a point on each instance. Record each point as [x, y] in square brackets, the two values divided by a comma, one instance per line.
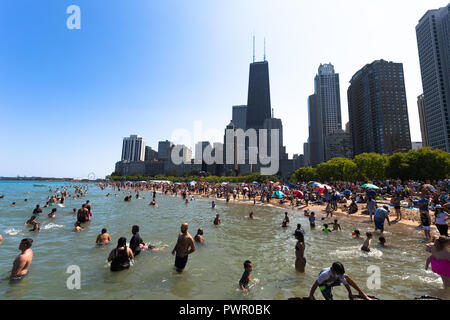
[23, 260]
[103, 238]
[184, 247]
[332, 277]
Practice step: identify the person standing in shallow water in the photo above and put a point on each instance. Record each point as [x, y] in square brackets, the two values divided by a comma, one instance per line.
[121, 256]
[23, 260]
[183, 248]
[300, 261]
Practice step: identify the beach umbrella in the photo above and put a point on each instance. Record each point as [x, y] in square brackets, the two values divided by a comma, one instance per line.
[269, 181]
[313, 183]
[369, 186]
[347, 192]
[177, 183]
[285, 188]
[297, 192]
[245, 188]
[278, 194]
[192, 183]
[255, 182]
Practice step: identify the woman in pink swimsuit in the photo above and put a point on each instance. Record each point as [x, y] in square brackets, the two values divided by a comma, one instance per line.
[440, 259]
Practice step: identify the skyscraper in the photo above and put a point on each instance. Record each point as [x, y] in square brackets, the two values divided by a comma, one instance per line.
[258, 101]
[133, 148]
[327, 90]
[240, 117]
[423, 122]
[433, 41]
[164, 149]
[378, 111]
[315, 141]
[324, 108]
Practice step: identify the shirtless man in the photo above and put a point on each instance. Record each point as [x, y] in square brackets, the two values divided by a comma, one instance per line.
[23, 260]
[199, 236]
[184, 247]
[103, 238]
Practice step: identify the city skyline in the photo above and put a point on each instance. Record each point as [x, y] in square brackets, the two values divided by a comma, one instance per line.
[91, 95]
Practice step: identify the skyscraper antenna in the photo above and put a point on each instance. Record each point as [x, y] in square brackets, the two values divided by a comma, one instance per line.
[253, 47]
[264, 48]
[272, 112]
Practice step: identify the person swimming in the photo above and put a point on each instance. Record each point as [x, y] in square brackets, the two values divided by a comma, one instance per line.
[52, 214]
[325, 228]
[199, 236]
[217, 220]
[250, 216]
[356, 234]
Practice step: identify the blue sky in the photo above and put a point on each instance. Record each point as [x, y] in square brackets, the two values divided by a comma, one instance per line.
[68, 97]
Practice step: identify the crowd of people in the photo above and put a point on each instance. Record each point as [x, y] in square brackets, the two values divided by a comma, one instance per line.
[376, 200]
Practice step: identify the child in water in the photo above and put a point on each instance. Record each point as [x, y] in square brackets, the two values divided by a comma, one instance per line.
[356, 234]
[245, 279]
[325, 228]
[336, 225]
[382, 242]
[367, 242]
[312, 220]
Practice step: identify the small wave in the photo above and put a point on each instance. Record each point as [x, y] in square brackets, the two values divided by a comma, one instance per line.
[12, 232]
[430, 280]
[52, 226]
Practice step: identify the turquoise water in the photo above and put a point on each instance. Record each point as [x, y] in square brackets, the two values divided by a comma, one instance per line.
[213, 271]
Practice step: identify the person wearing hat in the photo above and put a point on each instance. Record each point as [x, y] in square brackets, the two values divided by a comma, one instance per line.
[332, 277]
[380, 215]
[441, 218]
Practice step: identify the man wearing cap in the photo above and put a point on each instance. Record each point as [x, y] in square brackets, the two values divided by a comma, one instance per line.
[332, 277]
[381, 214]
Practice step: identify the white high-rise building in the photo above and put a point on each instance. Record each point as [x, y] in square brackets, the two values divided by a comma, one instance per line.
[133, 148]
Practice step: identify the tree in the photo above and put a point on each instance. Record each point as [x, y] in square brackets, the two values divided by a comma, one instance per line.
[306, 174]
[371, 166]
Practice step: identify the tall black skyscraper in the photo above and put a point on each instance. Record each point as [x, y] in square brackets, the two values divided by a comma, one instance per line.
[258, 104]
[377, 109]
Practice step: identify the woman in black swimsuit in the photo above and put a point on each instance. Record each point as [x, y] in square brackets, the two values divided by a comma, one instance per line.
[300, 261]
[121, 256]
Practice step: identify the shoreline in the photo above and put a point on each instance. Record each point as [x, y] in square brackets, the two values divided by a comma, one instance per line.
[408, 220]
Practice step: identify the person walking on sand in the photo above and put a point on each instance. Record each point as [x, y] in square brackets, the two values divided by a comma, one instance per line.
[183, 248]
[381, 214]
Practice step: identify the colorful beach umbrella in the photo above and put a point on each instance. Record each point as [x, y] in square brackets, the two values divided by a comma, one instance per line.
[278, 194]
[369, 186]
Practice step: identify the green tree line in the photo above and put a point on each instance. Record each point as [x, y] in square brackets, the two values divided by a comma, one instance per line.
[422, 164]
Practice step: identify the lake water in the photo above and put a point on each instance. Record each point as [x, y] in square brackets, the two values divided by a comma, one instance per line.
[213, 271]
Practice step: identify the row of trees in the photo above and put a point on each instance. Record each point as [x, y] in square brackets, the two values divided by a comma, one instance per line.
[421, 164]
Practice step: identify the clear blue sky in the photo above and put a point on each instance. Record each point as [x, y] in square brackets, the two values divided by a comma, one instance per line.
[68, 97]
